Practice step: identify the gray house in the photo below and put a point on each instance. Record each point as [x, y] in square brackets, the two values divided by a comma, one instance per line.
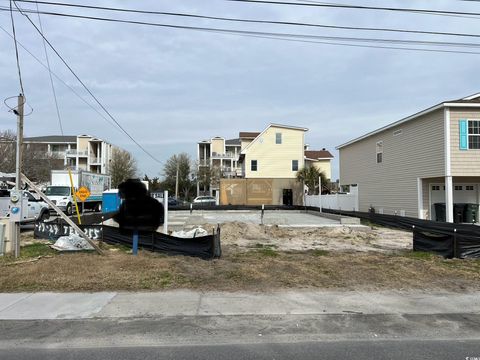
[431, 157]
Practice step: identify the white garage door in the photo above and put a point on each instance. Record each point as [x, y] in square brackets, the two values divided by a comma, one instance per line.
[462, 193]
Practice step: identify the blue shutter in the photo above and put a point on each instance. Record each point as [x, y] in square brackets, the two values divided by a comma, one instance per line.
[463, 126]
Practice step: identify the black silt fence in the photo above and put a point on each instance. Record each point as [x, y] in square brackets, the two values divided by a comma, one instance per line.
[445, 239]
[205, 247]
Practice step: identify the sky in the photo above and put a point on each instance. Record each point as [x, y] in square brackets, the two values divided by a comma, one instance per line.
[170, 88]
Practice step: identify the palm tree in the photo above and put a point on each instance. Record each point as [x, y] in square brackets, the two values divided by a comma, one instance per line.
[309, 176]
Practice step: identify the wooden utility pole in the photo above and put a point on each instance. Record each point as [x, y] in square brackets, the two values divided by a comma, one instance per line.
[18, 168]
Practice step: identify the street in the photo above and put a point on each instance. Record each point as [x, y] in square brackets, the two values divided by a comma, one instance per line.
[358, 350]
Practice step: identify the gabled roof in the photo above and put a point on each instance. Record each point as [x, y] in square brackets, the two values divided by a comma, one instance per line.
[472, 101]
[276, 126]
[248, 135]
[52, 139]
[318, 154]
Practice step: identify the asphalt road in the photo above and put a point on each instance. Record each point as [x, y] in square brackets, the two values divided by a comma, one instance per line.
[358, 350]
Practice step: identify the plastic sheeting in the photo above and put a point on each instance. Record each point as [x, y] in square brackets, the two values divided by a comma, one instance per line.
[205, 247]
[445, 239]
[72, 243]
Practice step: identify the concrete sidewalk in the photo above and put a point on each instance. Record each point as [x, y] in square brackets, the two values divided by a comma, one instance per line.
[112, 305]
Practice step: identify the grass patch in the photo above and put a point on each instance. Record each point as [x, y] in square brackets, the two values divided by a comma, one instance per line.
[35, 250]
[268, 252]
[420, 255]
[319, 252]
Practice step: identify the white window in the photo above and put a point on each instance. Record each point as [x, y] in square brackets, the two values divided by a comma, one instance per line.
[278, 138]
[253, 165]
[379, 152]
[474, 134]
[294, 165]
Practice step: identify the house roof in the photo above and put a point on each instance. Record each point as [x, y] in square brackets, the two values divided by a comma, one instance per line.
[318, 154]
[469, 101]
[276, 126]
[233, 142]
[248, 135]
[52, 139]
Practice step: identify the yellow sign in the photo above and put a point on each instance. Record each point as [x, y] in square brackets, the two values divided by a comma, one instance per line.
[83, 193]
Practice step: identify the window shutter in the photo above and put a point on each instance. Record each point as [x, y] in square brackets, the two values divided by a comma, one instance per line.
[463, 126]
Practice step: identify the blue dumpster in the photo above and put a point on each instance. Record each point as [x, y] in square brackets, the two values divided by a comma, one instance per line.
[110, 201]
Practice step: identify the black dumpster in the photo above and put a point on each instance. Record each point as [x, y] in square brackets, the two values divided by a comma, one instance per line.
[459, 213]
[471, 213]
[440, 212]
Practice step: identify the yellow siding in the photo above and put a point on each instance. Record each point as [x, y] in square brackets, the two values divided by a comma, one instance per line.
[218, 146]
[83, 144]
[392, 185]
[324, 166]
[275, 160]
[244, 143]
[464, 162]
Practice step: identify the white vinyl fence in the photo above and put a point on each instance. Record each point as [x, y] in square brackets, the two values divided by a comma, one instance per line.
[345, 201]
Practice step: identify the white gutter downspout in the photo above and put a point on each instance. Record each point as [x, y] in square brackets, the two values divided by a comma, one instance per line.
[448, 169]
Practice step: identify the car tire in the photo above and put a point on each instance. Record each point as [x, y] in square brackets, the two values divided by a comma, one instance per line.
[68, 209]
[45, 215]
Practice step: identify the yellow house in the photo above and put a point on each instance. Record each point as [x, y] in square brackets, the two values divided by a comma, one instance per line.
[321, 159]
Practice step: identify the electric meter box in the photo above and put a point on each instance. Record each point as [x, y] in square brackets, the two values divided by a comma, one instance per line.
[16, 201]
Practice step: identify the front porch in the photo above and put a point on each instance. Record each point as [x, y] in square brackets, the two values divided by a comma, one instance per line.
[452, 199]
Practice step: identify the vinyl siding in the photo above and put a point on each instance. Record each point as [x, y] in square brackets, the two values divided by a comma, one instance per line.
[464, 162]
[392, 184]
[324, 166]
[275, 160]
[218, 146]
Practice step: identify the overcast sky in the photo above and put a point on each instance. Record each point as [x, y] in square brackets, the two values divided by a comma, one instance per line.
[171, 88]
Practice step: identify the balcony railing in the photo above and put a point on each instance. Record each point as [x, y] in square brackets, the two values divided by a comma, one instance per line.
[76, 152]
[228, 155]
[95, 160]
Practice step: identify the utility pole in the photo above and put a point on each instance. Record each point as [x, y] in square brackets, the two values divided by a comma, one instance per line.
[176, 181]
[18, 176]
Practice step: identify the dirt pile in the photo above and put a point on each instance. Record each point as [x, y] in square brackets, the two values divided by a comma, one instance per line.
[245, 235]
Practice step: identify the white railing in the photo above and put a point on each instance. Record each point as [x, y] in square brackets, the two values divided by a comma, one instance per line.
[345, 201]
[76, 152]
[223, 156]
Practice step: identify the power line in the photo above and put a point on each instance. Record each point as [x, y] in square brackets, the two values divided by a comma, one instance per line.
[87, 89]
[16, 50]
[50, 75]
[220, 18]
[274, 34]
[360, 7]
[60, 80]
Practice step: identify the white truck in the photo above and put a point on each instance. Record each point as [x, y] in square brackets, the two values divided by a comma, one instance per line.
[60, 192]
[33, 208]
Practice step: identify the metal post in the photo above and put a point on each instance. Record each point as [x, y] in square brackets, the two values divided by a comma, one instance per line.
[135, 242]
[176, 181]
[455, 245]
[18, 168]
[165, 208]
[320, 193]
[263, 212]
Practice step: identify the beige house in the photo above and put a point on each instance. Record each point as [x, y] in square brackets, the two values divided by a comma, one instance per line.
[431, 157]
[321, 159]
[82, 152]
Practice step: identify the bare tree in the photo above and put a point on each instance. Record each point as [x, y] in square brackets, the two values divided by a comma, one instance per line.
[122, 167]
[186, 181]
[37, 163]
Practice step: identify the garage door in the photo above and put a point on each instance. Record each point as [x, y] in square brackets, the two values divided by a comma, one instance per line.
[462, 193]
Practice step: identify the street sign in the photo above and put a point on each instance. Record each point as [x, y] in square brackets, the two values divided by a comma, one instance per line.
[83, 193]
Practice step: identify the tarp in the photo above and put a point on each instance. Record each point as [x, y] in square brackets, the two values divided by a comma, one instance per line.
[445, 239]
[205, 247]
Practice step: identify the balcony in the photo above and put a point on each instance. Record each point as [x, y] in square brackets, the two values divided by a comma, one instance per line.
[95, 160]
[228, 155]
[75, 153]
